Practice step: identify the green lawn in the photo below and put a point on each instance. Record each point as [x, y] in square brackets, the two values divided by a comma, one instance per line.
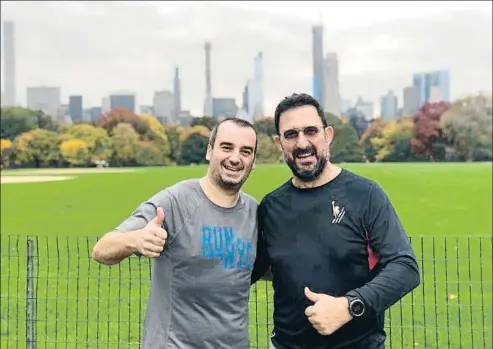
[446, 209]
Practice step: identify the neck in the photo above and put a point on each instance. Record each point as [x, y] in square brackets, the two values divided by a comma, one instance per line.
[218, 195]
[328, 174]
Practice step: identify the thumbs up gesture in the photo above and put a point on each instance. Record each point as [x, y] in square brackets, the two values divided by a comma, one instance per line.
[151, 240]
[328, 313]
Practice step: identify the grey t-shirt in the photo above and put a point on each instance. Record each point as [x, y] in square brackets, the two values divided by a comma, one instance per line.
[200, 284]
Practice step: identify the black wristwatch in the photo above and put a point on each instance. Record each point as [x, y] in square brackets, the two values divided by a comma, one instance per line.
[356, 306]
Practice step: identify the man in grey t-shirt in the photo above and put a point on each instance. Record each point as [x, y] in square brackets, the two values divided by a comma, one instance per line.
[203, 236]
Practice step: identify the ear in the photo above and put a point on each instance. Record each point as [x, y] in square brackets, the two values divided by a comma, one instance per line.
[277, 140]
[329, 134]
[208, 152]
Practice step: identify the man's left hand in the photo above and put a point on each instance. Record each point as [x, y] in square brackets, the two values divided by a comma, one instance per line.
[328, 313]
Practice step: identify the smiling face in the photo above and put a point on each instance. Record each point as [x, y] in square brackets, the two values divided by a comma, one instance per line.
[232, 156]
[304, 142]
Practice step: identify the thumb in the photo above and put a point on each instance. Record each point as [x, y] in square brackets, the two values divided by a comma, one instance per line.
[159, 219]
[314, 297]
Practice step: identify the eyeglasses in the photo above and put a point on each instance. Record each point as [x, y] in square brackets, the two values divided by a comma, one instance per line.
[291, 135]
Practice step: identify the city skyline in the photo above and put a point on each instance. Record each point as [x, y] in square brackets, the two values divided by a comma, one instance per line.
[470, 76]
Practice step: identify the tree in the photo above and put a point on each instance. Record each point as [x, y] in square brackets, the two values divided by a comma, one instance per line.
[394, 142]
[345, 146]
[267, 152]
[467, 126]
[153, 123]
[6, 148]
[207, 121]
[15, 121]
[332, 120]
[357, 121]
[99, 143]
[374, 130]
[111, 119]
[45, 121]
[148, 153]
[160, 140]
[38, 147]
[173, 135]
[265, 126]
[194, 149]
[125, 140]
[427, 133]
[188, 131]
[75, 151]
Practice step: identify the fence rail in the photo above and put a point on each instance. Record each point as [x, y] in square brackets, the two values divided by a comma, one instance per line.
[54, 296]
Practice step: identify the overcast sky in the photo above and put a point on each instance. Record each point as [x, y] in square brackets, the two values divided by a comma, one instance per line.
[95, 48]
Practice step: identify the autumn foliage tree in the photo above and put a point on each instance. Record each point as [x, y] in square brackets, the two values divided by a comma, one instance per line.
[6, 148]
[394, 141]
[374, 130]
[39, 147]
[125, 140]
[75, 152]
[427, 132]
[467, 126]
[99, 144]
[115, 116]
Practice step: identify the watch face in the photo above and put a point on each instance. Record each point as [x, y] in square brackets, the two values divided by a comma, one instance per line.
[357, 307]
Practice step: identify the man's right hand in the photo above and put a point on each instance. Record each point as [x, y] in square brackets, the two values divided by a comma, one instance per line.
[151, 239]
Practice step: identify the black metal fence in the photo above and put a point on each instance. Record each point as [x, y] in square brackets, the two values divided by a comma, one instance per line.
[54, 296]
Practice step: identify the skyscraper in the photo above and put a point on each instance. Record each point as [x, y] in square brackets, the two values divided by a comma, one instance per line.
[432, 86]
[123, 101]
[176, 94]
[163, 104]
[208, 87]
[410, 104]
[388, 106]
[75, 108]
[318, 63]
[331, 79]
[44, 98]
[9, 64]
[258, 79]
[245, 97]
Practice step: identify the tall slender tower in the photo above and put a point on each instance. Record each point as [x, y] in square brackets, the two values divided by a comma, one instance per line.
[176, 94]
[258, 79]
[208, 88]
[9, 64]
[318, 63]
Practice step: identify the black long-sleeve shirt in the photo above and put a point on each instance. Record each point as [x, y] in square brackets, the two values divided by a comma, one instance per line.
[342, 238]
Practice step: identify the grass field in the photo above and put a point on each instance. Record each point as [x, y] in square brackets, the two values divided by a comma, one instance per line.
[446, 209]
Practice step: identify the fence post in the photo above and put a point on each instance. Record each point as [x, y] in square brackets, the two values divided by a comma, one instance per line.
[30, 299]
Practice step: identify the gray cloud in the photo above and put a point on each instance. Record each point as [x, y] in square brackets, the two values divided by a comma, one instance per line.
[95, 48]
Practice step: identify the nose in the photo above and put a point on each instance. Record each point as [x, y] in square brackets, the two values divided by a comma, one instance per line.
[234, 159]
[302, 141]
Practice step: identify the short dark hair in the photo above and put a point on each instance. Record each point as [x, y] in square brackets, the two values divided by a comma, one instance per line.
[298, 100]
[236, 121]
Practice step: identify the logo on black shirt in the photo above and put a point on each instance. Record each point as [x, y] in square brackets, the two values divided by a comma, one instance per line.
[337, 212]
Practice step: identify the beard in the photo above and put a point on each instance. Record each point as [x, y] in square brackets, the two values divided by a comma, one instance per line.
[306, 174]
[227, 183]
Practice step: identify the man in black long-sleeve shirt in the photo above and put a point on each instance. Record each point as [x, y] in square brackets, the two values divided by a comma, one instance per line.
[338, 253]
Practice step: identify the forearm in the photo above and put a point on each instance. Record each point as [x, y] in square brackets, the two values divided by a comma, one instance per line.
[394, 281]
[114, 247]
